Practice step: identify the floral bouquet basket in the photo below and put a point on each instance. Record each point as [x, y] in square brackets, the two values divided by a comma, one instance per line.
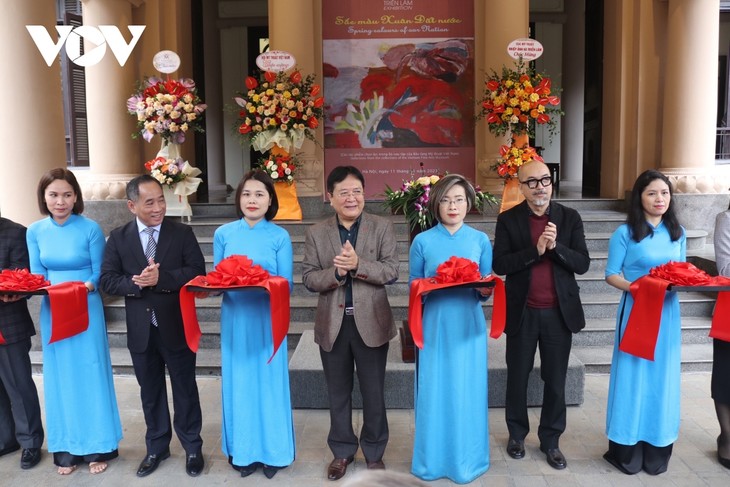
[276, 114]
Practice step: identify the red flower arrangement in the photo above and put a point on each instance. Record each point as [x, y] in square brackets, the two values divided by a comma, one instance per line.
[512, 158]
[279, 109]
[170, 108]
[516, 98]
[280, 167]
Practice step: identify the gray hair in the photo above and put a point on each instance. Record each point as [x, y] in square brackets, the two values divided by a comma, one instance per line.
[133, 186]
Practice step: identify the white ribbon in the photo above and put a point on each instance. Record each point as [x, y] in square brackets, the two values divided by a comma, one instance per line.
[189, 185]
[267, 139]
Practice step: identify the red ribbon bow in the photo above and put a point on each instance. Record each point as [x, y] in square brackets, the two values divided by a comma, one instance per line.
[642, 328]
[238, 271]
[68, 300]
[455, 272]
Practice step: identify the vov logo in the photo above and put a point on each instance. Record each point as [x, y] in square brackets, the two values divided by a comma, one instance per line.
[72, 37]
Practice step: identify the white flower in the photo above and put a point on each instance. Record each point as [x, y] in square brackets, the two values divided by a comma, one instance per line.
[184, 127]
[274, 175]
[287, 171]
[273, 167]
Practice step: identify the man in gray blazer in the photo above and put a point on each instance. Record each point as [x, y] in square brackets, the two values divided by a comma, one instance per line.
[348, 260]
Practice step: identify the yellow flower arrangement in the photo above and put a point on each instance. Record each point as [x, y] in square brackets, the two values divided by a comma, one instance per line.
[517, 98]
[512, 158]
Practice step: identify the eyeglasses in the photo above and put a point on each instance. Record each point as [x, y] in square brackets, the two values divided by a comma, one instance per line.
[447, 202]
[532, 183]
[355, 193]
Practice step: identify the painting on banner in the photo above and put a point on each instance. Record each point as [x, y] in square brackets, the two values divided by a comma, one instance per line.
[399, 88]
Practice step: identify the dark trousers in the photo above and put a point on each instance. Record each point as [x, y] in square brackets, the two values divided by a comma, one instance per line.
[20, 411]
[149, 367]
[349, 351]
[543, 328]
[631, 459]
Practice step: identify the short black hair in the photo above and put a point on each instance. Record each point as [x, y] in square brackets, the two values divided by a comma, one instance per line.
[133, 186]
[262, 177]
[340, 173]
[443, 186]
[53, 175]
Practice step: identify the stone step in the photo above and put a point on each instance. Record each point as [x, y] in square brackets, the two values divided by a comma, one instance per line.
[696, 357]
[315, 206]
[594, 221]
[309, 390]
[602, 332]
[597, 333]
[598, 305]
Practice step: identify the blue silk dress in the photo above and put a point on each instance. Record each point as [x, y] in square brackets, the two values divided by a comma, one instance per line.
[643, 395]
[82, 417]
[257, 415]
[452, 435]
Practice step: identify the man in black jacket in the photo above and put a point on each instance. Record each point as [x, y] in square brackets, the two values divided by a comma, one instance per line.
[20, 411]
[147, 261]
[539, 245]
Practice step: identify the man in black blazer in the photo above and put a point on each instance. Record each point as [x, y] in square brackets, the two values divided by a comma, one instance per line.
[539, 245]
[155, 335]
[20, 411]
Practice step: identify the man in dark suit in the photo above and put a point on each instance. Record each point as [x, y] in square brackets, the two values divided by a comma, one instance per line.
[539, 245]
[348, 260]
[20, 411]
[147, 261]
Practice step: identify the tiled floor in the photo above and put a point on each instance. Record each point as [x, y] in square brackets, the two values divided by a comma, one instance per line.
[693, 462]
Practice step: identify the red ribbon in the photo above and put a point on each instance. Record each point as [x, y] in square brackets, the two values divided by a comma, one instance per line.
[68, 300]
[234, 272]
[455, 272]
[21, 280]
[69, 309]
[642, 328]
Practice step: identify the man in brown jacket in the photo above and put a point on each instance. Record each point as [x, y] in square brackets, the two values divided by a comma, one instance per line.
[348, 260]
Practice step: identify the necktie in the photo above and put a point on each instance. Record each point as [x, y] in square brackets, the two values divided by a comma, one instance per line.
[149, 253]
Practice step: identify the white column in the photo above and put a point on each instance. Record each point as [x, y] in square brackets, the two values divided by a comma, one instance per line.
[303, 39]
[113, 154]
[498, 23]
[690, 95]
[32, 137]
[214, 127]
[573, 94]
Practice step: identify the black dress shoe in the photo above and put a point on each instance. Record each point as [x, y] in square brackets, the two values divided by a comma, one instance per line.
[151, 462]
[338, 468]
[270, 471]
[556, 459]
[516, 448]
[194, 464]
[9, 449]
[247, 470]
[30, 458]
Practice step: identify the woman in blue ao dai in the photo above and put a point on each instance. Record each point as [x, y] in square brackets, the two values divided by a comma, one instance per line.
[642, 417]
[452, 436]
[257, 421]
[82, 418]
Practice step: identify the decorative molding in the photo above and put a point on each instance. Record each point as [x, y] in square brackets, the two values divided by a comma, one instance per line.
[104, 187]
[699, 181]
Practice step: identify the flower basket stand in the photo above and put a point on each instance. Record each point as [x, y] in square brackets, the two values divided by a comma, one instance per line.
[177, 205]
[511, 194]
